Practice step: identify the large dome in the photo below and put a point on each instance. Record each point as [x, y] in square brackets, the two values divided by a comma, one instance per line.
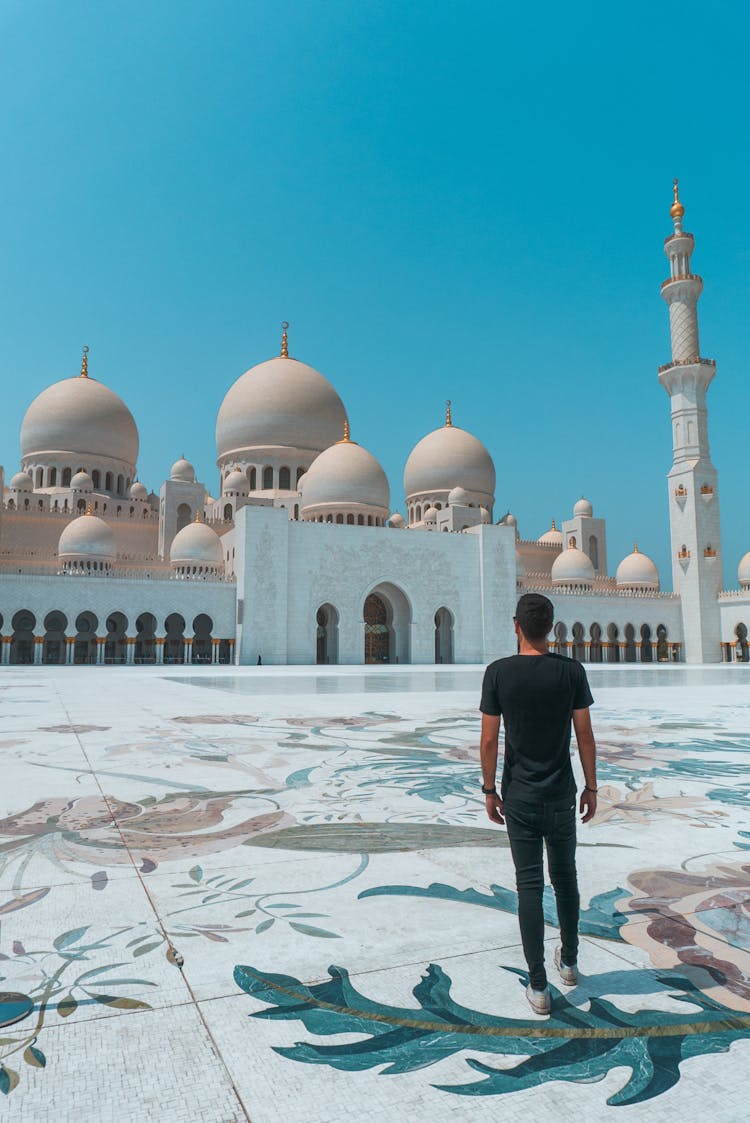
[572, 567]
[447, 458]
[279, 403]
[346, 475]
[87, 537]
[83, 417]
[637, 571]
[197, 544]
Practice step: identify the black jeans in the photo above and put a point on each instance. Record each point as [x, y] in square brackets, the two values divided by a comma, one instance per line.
[529, 825]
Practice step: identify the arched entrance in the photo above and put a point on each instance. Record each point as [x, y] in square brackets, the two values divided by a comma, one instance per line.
[595, 646]
[560, 645]
[613, 648]
[443, 636]
[184, 516]
[115, 644]
[647, 654]
[742, 650]
[174, 639]
[202, 628]
[145, 641]
[327, 634]
[55, 624]
[22, 640]
[387, 619]
[579, 643]
[630, 651]
[662, 650]
[84, 646]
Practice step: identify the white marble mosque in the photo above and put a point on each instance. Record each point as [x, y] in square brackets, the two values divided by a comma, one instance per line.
[300, 557]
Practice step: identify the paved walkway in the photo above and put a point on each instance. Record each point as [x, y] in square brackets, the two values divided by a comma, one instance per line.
[313, 846]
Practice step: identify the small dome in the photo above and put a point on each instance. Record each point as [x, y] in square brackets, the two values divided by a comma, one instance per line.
[743, 571]
[430, 515]
[508, 520]
[346, 475]
[81, 417]
[82, 482]
[397, 520]
[236, 481]
[197, 545]
[484, 515]
[572, 567]
[583, 509]
[551, 537]
[637, 571]
[182, 471]
[457, 497]
[280, 402]
[87, 537]
[446, 458]
[138, 490]
[22, 481]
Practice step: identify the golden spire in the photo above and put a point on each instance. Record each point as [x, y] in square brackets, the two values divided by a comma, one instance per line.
[347, 434]
[676, 210]
[553, 527]
[571, 543]
[85, 363]
[88, 509]
[284, 343]
[635, 548]
[197, 516]
[448, 418]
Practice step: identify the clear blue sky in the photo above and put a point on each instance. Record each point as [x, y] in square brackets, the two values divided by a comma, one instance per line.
[462, 200]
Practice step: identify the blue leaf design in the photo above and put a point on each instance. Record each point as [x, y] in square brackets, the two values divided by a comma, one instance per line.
[573, 1044]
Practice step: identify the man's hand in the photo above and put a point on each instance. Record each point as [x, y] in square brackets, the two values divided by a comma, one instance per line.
[495, 809]
[587, 806]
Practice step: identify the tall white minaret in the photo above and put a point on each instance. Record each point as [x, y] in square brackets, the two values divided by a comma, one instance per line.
[693, 480]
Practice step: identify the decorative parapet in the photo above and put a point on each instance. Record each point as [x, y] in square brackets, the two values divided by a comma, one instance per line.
[735, 594]
[639, 594]
[681, 277]
[694, 360]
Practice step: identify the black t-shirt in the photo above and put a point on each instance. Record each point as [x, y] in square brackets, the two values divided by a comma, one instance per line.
[536, 696]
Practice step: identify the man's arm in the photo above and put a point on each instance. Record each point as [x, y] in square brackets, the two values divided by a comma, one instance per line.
[488, 753]
[587, 752]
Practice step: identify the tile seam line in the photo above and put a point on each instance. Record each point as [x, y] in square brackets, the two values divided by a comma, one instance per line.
[219, 1055]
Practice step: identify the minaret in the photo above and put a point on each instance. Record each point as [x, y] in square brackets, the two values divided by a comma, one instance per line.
[693, 480]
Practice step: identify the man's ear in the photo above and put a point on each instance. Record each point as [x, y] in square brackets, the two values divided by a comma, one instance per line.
[516, 628]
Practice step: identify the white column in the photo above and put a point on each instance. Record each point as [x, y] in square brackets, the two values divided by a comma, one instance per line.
[5, 652]
[215, 651]
[100, 652]
[159, 649]
[38, 649]
[129, 650]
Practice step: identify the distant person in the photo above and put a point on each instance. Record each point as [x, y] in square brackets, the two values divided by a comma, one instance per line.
[537, 693]
[260, 661]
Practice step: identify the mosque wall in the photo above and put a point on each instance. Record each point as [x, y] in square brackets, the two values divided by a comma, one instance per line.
[287, 571]
[41, 594]
[607, 621]
[30, 536]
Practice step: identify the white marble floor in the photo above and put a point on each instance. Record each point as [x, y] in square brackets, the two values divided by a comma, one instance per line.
[313, 846]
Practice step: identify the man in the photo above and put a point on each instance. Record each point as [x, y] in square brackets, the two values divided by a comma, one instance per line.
[537, 693]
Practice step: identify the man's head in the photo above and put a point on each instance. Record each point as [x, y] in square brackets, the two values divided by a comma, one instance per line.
[534, 616]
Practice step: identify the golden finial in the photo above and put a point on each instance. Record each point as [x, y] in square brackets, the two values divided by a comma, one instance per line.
[85, 363]
[88, 510]
[347, 435]
[635, 548]
[676, 210]
[571, 543]
[284, 343]
[448, 418]
[197, 516]
[553, 527]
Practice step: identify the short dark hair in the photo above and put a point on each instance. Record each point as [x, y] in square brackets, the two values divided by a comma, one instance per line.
[534, 615]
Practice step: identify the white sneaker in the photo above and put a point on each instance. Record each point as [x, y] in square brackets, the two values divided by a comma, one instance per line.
[539, 1000]
[569, 975]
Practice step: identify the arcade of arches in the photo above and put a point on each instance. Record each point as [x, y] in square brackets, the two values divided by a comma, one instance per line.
[610, 645]
[111, 640]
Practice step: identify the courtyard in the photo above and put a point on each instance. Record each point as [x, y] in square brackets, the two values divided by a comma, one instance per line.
[272, 893]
